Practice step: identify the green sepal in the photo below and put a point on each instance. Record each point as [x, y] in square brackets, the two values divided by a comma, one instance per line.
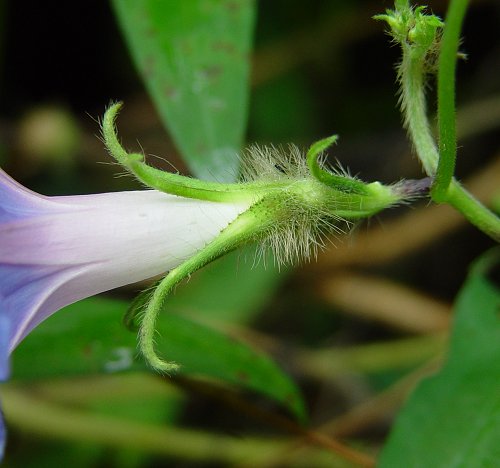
[412, 28]
[343, 183]
[131, 318]
[246, 227]
[174, 184]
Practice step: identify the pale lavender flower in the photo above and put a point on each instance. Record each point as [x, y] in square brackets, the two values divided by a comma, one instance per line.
[57, 250]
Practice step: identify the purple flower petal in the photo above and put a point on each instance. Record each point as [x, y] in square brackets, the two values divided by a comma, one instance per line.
[27, 294]
[5, 326]
[17, 201]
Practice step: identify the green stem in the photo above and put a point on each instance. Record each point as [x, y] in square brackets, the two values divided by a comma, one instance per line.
[475, 212]
[413, 103]
[412, 76]
[446, 98]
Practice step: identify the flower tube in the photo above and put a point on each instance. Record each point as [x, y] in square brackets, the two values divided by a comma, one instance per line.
[57, 250]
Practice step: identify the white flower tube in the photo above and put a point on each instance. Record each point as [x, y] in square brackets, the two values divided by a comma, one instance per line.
[57, 250]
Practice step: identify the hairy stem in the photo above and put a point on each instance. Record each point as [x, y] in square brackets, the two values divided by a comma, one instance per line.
[412, 77]
[413, 103]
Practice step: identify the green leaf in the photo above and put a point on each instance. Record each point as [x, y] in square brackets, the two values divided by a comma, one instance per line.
[284, 107]
[193, 57]
[453, 418]
[247, 287]
[88, 338]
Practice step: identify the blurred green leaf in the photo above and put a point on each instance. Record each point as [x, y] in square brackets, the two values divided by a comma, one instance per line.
[453, 419]
[151, 409]
[193, 57]
[283, 110]
[137, 396]
[247, 287]
[89, 338]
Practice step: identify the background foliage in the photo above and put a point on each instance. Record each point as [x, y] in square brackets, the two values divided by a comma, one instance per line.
[290, 368]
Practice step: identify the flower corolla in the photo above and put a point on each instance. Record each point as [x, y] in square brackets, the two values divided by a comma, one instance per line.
[57, 250]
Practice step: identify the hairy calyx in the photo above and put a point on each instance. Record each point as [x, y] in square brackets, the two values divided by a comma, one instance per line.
[294, 204]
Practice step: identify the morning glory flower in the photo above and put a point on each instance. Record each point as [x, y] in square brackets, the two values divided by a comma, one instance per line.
[57, 250]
